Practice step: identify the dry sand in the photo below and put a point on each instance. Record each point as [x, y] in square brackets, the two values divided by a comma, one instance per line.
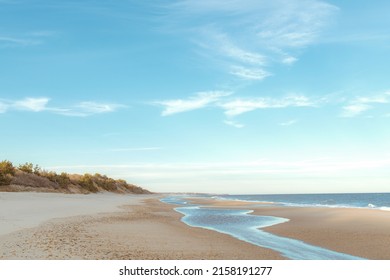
[359, 232]
[150, 230]
[22, 210]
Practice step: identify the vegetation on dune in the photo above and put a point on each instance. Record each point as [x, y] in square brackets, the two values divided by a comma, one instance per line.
[7, 171]
[32, 177]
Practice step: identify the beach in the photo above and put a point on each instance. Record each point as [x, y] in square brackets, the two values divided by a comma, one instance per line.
[130, 227]
[360, 232]
[109, 226]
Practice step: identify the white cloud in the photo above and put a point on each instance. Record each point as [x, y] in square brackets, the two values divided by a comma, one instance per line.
[249, 74]
[237, 53]
[85, 109]
[252, 32]
[200, 100]
[31, 104]
[41, 105]
[97, 108]
[234, 124]
[289, 60]
[373, 99]
[240, 105]
[362, 104]
[294, 24]
[354, 110]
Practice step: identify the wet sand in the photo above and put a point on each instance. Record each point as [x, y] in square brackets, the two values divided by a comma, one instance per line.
[359, 232]
[142, 228]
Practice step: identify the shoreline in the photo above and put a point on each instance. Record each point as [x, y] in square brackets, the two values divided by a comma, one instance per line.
[142, 229]
[355, 231]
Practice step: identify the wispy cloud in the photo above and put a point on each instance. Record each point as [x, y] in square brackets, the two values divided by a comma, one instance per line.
[97, 108]
[234, 124]
[251, 34]
[240, 105]
[361, 104]
[198, 101]
[354, 110]
[41, 104]
[31, 104]
[16, 41]
[27, 39]
[249, 73]
[289, 60]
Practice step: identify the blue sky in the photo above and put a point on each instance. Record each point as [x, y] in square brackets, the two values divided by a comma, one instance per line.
[203, 96]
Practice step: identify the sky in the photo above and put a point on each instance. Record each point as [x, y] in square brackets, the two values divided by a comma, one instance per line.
[233, 96]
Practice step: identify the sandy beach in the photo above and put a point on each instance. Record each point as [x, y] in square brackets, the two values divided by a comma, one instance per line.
[132, 227]
[359, 232]
[109, 226]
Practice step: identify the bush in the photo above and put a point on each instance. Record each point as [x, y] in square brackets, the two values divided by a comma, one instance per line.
[63, 179]
[27, 167]
[7, 171]
[87, 183]
[37, 170]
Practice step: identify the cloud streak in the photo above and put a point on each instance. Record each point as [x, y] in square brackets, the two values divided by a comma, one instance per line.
[198, 101]
[41, 104]
[233, 124]
[15, 41]
[361, 104]
[251, 34]
[249, 73]
[243, 105]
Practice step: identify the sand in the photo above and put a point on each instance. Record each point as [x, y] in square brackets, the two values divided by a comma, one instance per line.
[143, 229]
[27, 209]
[360, 232]
[109, 226]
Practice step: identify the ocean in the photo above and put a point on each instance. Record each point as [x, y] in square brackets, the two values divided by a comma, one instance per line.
[379, 201]
[240, 224]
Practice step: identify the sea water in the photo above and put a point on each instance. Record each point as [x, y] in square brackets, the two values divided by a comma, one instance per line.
[380, 201]
[242, 225]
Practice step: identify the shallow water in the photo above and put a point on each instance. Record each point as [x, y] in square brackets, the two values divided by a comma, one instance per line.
[242, 225]
[380, 201]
